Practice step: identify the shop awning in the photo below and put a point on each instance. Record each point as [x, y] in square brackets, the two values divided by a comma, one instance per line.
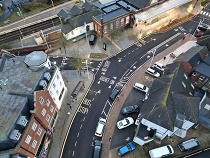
[160, 9]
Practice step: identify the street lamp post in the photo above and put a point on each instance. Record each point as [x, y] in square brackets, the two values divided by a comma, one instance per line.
[53, 5]
[153, 54]
[87, 67]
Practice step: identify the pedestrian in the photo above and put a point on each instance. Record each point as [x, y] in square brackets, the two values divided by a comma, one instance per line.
[70, 108]
[164, 58]
[110, 138]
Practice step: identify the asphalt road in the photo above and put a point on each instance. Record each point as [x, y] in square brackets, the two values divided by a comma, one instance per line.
[116, 69]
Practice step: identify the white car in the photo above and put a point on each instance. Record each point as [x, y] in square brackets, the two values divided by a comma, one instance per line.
[100, 127]
[125, 122]
[159, 66]
[153, 72]
[140, 87]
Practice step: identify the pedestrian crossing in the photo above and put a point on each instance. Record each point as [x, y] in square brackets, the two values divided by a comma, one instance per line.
[205, 13]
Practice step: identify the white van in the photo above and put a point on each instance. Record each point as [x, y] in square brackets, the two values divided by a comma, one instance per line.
[140, 87]
[100, 127]
[161, 151]
[152, 72]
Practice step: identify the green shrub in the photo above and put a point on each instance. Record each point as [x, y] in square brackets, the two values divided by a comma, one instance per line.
[203, 3]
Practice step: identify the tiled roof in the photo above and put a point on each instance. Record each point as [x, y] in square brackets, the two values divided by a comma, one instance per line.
[75, 10]
[63, 14]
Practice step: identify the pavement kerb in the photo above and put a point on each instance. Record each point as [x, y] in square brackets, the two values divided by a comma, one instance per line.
[80, 103]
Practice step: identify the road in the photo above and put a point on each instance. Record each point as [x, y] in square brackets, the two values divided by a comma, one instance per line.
[96, 104]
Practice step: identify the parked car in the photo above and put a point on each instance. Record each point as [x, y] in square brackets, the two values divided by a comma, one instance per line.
[203, 27]
[189, 144]
[153, 72]
[130, 109]
[141, 87]
[100, 127]
[125, 122]
[161, 151]
[159, 66]
[92, 39]
[116, 91]
[126, 149]
[199, 34]
[97, 149]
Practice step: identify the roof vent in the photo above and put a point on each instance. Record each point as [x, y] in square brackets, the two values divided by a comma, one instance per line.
[47, 76]
[43, 83]
[15, 135]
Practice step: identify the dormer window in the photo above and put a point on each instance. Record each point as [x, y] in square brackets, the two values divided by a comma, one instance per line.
[201, 78]
[194, 74]
[15, 135]
[22, 121]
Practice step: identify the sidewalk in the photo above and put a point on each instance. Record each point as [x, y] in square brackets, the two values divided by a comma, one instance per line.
[68, 109]
[140, 77]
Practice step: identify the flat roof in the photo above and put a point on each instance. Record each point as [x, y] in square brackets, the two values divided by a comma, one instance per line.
[160, 9]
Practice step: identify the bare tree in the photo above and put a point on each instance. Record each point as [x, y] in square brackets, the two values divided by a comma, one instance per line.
[78, 60]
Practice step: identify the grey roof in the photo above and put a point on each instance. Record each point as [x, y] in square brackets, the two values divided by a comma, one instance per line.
[35, 58]
[87, 6]
[79, 20]
[16, 78]
[75, 10]
[112, 15]
[193, 55]
[140, 4]
[204, 111]
[168, 97]
[204, 69]
[63, 14]
[207, 60]
[126, 6]
[204, 41]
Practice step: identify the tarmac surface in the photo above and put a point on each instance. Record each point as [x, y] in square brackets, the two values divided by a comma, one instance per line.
[71, 78]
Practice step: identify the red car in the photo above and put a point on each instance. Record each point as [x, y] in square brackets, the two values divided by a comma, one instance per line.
[199, 34]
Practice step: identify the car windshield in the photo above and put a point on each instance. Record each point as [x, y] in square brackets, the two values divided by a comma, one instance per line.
[128, 146]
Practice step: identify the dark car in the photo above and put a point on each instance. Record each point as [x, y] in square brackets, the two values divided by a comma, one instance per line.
[92, 39]
[189, 144]
[97, 149]
[126, 149]
[130, 109]
[116, 91]
[203, 27]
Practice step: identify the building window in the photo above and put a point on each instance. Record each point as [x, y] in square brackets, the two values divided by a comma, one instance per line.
[127, 20]
[117, 23]
[185, 76]
[54, 85]
[39, 132]
[34, 126]
[48, 117]
[201, 78]
[111, 26]
[96, 27]
[50, 92]
[43, 111]
[48, 102]
[183, 84]
[105, 29]
[34, 143]
[53, 98]
[41, 100]
[51, 108]
[122, 22]
[57, 92]
[58, 77]
[61, 84]
[194, 73]
[24, 122]
[28, 139]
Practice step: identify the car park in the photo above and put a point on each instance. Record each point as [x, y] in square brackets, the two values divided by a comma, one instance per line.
[153, 72]
[159, 67]
[92, 39]
[189, 144]
[141, 87]
[130, 109]
[97, 149]
[125, 122]
[126, 149]
[100, 127]
[161, 151]
[116, 91]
